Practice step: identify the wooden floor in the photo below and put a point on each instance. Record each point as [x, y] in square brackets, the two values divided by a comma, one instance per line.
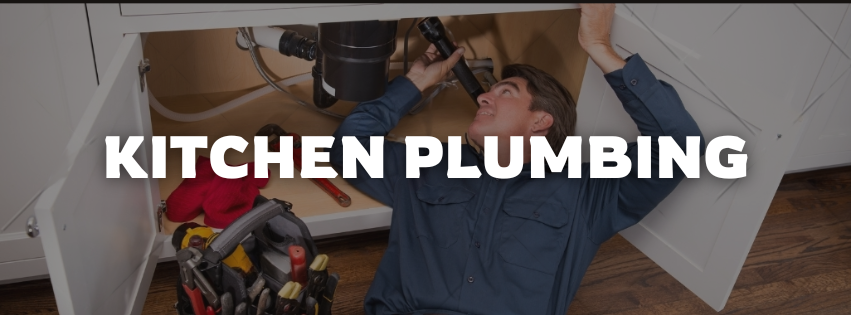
[800, 263]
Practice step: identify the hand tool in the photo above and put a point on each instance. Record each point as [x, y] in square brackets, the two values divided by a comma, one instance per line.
[196, 241]
[274, 146]
[262, 302]
[202, 232]
[179, 238]
[227, 304]
[210, 310]
[237, 259]
[287, 301]
[241, 309]
[188, 281]
[328, 296]
[298, 262]
[310, 306]
[323, 183]
[434, 32]
[200, 280]
[317, 276]
[256, 288]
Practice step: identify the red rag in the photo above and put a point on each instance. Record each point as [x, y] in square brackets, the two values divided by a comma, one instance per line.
[230, 198]
[185, 201]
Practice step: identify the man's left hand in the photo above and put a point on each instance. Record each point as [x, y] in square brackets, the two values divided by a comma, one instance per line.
[430, 68]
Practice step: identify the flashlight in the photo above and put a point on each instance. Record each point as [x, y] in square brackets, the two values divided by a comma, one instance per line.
[434, 32]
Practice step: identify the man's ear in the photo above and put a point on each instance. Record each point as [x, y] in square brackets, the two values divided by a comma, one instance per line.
[543, 122]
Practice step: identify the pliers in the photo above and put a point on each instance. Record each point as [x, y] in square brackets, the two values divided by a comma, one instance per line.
[187, 280]
[195, 284]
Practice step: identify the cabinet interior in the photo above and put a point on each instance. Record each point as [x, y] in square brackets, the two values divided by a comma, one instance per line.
[193, 71]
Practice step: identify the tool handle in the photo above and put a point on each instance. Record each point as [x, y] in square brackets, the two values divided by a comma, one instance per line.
[327, 186]
[342, 199]
[299, 264]
[229, 239]
[196, 299]
[327, 298]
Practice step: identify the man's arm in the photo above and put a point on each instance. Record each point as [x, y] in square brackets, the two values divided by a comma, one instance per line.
[379, 116]
[656, 109]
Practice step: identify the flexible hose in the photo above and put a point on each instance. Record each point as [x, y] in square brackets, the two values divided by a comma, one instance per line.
[159, 108]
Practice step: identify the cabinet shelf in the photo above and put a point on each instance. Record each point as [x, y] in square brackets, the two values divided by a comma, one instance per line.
[448, 115]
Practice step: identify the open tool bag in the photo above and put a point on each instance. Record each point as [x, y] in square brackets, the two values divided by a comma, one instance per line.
[264, 262]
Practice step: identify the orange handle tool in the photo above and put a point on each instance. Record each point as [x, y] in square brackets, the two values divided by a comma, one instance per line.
[323, 183]
[299, 264]
[196, 298]
[271, 129]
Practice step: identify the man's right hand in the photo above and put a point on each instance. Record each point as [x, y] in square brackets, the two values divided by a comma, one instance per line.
[430, 68]
[595, 24]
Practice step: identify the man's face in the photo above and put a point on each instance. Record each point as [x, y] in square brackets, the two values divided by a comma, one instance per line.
[503, 111]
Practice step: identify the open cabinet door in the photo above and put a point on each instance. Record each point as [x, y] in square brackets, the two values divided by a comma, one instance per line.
[702, 233]
[100, 235]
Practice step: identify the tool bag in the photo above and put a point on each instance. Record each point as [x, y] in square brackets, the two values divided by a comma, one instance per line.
[262, 254]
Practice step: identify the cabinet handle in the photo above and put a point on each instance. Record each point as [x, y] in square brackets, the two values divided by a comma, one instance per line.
[32, 227]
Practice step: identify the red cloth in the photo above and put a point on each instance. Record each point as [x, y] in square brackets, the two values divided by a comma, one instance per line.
[221, 199]
[230, 198]
[184, 203]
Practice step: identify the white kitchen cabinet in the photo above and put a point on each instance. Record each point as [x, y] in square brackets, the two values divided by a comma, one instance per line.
[827, 140]
[47, 78]
[746, 74]
[718, 69]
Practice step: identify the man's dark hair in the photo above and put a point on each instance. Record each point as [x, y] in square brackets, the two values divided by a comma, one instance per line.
[550, 96]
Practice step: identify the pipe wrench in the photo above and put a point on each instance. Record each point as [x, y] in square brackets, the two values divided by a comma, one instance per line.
[274, 146]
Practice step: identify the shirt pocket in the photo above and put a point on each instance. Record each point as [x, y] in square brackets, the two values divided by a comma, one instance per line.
[535, 234]
[440, 214]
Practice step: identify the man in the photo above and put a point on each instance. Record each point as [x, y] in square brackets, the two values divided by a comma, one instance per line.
[511, 246]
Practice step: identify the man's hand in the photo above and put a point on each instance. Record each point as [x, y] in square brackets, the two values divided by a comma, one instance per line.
[430, 68]
[595, 25]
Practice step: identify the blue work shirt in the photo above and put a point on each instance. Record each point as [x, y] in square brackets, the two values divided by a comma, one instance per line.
[504, 246]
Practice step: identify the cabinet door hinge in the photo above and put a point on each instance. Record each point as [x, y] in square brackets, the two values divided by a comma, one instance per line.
[160, 211]
[144, 67]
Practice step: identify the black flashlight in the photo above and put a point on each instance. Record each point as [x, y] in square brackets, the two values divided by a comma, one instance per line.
[434, 32]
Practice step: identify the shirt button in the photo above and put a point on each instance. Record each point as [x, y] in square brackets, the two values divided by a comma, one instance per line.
[633, 82]
[622, 87]
[536, 214]
[470, 279]
[440, 199]
[478, 245]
